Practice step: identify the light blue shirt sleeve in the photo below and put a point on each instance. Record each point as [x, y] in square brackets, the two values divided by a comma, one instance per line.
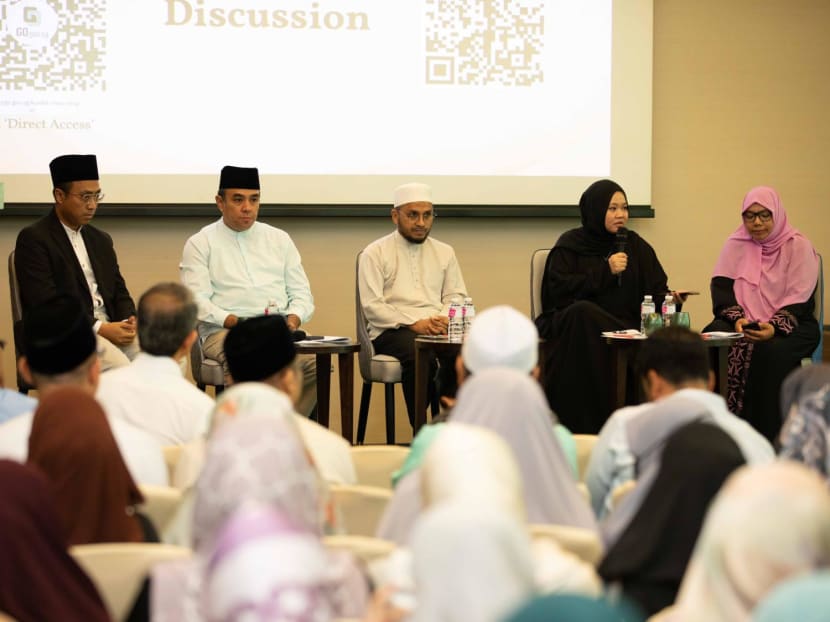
[13, 403]
[568, 444]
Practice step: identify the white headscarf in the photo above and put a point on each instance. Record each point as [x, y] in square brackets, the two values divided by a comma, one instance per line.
[768, 523]
[471, 563]
[512, 405]
[470, 464]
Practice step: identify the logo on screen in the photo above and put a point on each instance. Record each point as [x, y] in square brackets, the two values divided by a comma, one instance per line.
[32, 23]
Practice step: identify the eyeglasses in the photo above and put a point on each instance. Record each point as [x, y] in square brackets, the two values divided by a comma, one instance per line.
[416, 216]
[89, 197]
[764, 216]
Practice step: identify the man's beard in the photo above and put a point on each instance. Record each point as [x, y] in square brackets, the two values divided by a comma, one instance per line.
[413, 240]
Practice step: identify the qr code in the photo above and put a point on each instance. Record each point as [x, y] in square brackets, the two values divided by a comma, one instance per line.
[52, 45]
[484, 42]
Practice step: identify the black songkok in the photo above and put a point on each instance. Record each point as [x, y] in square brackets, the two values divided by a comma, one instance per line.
[68, 168]
[258, 348]
[239, 177]
[57, 336]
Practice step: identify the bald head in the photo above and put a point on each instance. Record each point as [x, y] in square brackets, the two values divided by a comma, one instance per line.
[166, 318]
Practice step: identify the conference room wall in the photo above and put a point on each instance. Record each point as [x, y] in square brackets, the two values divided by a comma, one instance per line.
[740, 99]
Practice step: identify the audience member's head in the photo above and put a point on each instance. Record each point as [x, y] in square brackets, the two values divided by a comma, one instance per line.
[59, 346]
[72, 443]
[769, 523]
[167, 320]
[470, 563]
[500, 337]
[673, 358]
[650, 557]
[251, 399]
[803, 599]
[801, 382]
[806, 431]
[39, 580]
[470, 464]
[574, 607]
[263, 561]
[261, 349]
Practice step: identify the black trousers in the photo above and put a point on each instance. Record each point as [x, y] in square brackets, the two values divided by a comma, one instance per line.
[400, 343]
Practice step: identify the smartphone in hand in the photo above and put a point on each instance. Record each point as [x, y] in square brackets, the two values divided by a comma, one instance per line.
[752, 326]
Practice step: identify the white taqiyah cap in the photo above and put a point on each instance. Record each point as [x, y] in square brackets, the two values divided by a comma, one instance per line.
[501, 337]
[412, 193]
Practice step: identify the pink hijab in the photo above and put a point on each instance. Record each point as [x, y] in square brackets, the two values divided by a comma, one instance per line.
[773, 273]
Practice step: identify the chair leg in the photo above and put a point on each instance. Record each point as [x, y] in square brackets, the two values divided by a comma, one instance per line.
[201, 386]
[363, 413]
[390, 413]
[218, 389]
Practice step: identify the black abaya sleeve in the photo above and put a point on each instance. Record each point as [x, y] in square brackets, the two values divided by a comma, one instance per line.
[567, 278]
[723, 297]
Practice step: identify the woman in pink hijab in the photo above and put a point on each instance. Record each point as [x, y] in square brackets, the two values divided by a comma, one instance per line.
[766, 274]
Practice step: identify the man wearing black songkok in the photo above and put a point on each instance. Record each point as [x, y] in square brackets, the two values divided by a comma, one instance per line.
[62, 254]
[238, 267]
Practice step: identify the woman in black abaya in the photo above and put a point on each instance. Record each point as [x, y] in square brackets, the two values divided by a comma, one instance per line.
[590, 286]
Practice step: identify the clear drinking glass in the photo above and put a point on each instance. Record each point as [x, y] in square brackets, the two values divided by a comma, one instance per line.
[653, 322]
[681, 318]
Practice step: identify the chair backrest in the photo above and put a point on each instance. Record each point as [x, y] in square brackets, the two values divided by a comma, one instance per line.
[374, 464]
[537, 271]
[367, 348]
[583, 543]
[364, 548]
[819, 312]
[160, 504]
[584, 446]
[621, 492]
[118, 570]
[17, 319]
[360, 507]
[172, 453]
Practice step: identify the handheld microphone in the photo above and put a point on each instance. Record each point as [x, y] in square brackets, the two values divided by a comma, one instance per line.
[621, 246]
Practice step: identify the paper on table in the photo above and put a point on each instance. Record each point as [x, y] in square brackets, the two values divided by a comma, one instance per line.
[324, 339]
[624, 334]
[720, 334]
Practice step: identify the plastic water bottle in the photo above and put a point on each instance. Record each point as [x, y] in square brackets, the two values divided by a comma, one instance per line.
[468, 314]
[668, 310]
[455, 332]
[647, 307]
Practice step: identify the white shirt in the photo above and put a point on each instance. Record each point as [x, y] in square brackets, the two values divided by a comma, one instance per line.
[401, 282]
[243, 273]
[98, 309]
[141, 453]
[612, 462]
[151, 394]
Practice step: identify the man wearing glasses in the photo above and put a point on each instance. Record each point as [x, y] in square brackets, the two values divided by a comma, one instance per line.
[407, 281]
[63, 254]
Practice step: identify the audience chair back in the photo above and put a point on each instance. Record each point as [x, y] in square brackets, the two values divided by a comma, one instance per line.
[537, 272]
[374, 368]
[364, 548]
[160, 504]
[172, 453]
[583, 543]
[584, 446]
[206, 371]
[118, 570]
[375, 464]
[360, 507]
[17, 322]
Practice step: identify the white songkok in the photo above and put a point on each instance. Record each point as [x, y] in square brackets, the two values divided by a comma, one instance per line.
[412, 193]
[501, 337]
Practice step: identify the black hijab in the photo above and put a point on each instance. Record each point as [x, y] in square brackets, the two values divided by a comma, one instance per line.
[651, 556]
[592, 238]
